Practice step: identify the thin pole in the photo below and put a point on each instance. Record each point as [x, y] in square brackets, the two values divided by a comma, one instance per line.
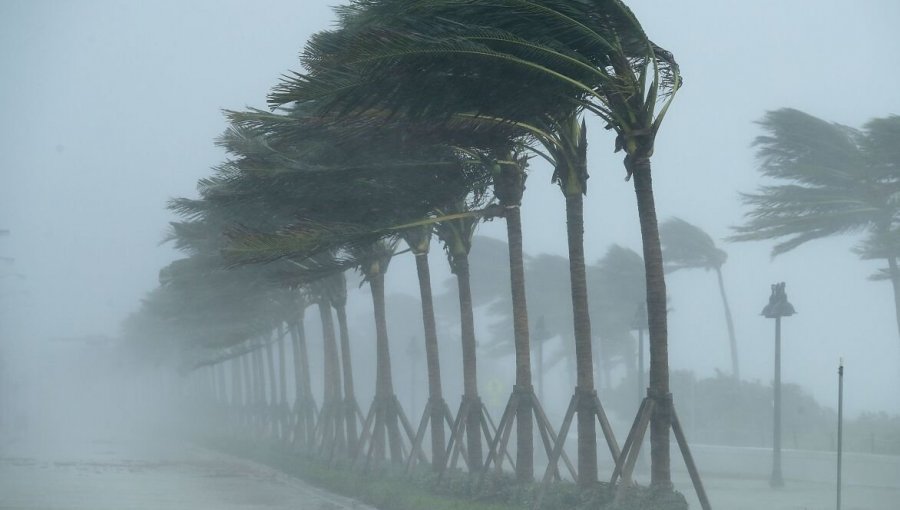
[840, 429]
[777, 479]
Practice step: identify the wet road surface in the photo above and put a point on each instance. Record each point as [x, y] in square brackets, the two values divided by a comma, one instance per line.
[131, 474]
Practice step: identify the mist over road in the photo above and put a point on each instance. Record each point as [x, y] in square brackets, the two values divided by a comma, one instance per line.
[132, 473]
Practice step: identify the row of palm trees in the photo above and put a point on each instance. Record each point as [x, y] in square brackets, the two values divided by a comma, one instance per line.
[415, 118]
[415, 115]
[524, 69]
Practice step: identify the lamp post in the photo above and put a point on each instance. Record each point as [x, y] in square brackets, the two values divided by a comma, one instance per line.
[840, 437]
[777, 308]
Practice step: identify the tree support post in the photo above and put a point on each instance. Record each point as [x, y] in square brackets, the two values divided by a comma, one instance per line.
[435, 409]
[523, 397]
[386, 417]
[650, 406]
[472, 414]
[582, 402]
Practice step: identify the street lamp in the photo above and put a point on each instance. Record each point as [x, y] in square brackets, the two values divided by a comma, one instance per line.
[777, 308]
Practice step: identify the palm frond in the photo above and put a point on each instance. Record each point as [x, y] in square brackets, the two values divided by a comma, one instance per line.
[686, 246]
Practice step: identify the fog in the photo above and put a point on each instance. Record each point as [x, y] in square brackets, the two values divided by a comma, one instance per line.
[111, 108]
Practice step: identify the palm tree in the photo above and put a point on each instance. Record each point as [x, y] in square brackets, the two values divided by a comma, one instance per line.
[831, 179]
[331, 427]
[419, 241]
[568, 153]
[686, 246]
[305, 409]
[216, 310]
[457, 238]
[385, 413]
[338, 284]
[581, 55]
[509, 186]
[620, 297]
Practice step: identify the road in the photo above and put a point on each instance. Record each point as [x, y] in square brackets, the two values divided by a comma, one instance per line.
[133, 474]
[738, 479]
[121, 472]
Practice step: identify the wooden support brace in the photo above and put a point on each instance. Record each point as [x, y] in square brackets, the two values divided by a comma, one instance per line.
[629, 439]
[501, 435]
[552, 465]
[505, 422]
[544, 424]
[689, 461]
[607, 430]
[455, 438]
[420, 436]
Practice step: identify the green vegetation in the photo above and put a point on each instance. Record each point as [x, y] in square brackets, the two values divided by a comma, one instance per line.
[726, 412]
[393, 489]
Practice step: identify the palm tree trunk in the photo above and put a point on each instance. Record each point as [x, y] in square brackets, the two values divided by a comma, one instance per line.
[236, 383]
[298, 375]
[470, 372]
[432, 359]
[895, 283]
[735, 367]
[282, 375]
[272, 406]
[660, 462]
[259, 398]
[221, 390]
[303, 380]
[282, 385]
[384, 385]
[302, 372]
[299, 431]
[349, 394]
[247, 403]
[332, 372]
[587, 430]
[524, 420]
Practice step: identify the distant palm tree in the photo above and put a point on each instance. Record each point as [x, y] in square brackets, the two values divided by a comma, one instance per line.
[419, 241]
[331, 424]
[457, 238]
[374, 260]
[831, 179]
[620, 293]
[687, 246]
[304, 403]
[338, 292]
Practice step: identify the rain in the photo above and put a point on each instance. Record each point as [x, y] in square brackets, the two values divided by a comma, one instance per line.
[403, 254]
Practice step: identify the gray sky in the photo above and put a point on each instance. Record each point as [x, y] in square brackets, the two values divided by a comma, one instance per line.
[111, 108]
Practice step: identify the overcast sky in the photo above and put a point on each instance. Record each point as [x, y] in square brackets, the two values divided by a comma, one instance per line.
[111, 108]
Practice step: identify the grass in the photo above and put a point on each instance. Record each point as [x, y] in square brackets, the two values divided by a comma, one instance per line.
[390, 488]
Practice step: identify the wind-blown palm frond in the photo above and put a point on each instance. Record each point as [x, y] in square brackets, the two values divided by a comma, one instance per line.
[686, 246]
[830, 186]
[836, 180]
